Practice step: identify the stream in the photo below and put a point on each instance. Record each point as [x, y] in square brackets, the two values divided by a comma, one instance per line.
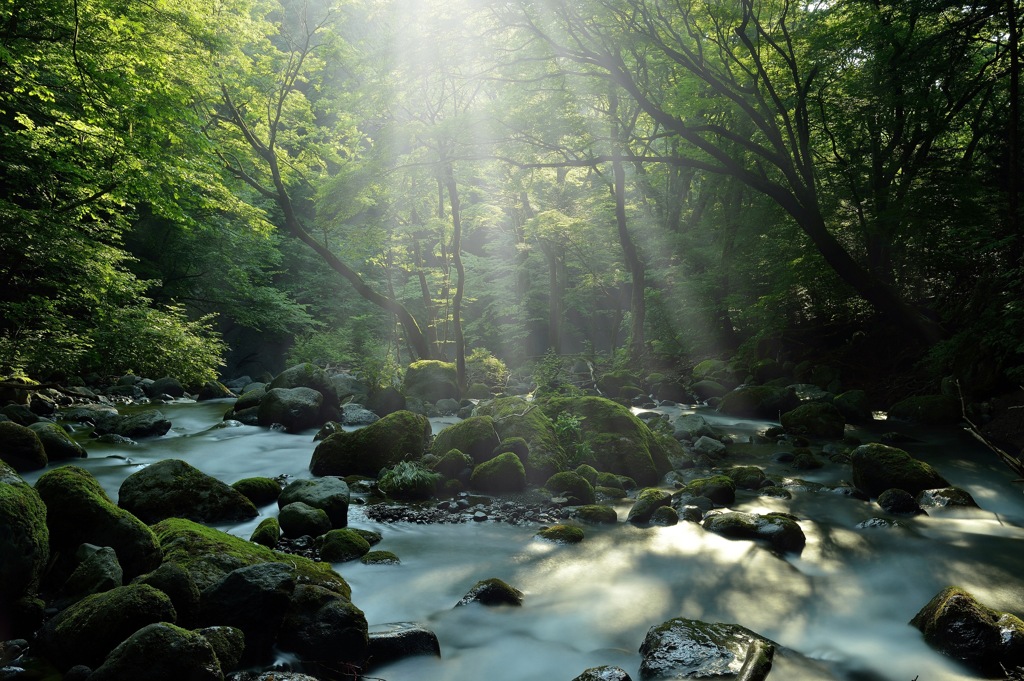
[843, 603]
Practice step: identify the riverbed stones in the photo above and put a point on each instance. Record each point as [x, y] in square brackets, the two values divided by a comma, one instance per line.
[142, 425]
[758, 401]
[878, 467]
[604, 673]
[814, 419]
[395, 641]
[79, 511]
[161, 652]
[296, 409]
[946, 497]
[474, 436]
[298, 519]
[331, 494]
[561, 534]
[721, 489]
[168, 385]
[173, 488]
[899, 502]
[572, 486]
[430, 381]
[779, 530]
[683, 648]
[492, 592]
[709, 447]
[259, 490]
[21, 448]
[647, 502]
[56, 442]
[323, 627]
[504, 474]
[955, 623]
[340, 546]
[397, 437]
[97, 571]
[24, 541]
[691, 427]
[747, 477]
[228, 645]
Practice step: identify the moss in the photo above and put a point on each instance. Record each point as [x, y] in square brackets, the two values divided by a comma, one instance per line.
[173, 488]
[267, 533]
[514, 417]
[878, 467]
[308, 376]
[665, 516]
[474, 436]
[409, 482]
[780, 530]
[814, 419]
[572, 485]
[588, 473]
[613, 382]
[340, 546]
[502, 474]
[747, 477]
[478, 391]
[452, 463]
[209, 554]
[380, 558]
[399, 436]
[492, 592]
[647, 501]
[932, 410]
[57, 444]
[228, 644]
[561, 534]
[710, 369]
[430, 381]
[719, 488]
[372, 537]
[260, 491]
[596, 514]
[25, 539]
[609, 480]
[20, 447]
[608, 493]
[805, 460]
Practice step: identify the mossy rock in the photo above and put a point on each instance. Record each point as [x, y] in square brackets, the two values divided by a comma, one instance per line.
[399, 436]
[24, 540]
[340, 546]
[516, 445]
[330, 494]
[161, 651]
[409, 481]
[561, 534]
[478, 391]
[946, 497]
[514, 417]
[78, 511]
[372, 537]
[299, 519]
[259, 490]
[619, 442]
[503, 474]
[452, 464]
[596, 514]
[208, 555]
[647, 502]
[173, 488]
[713, 369]
[758, 401]
[324, 629]
[708, 389]
[57, 444]
[720, 489]
[214, 390]
[604, 673]
[878, 467]
[430, 381]
[815, 419]
[380, 558]
[747, 477]
[899, 502]
[622, 482]
[267, 533]
[87, 631]
[228, 644]
[311, 376]
[956, 624]
[929, 410]
[250, 399]
[296, 409]
[177, 583]
[572, 485]
[805, 460]
[21, 448]
[683, 648]
[474, 436]
[491, 592]
[664, 516]
[854, 406]
[779, 530]
[588, 473]
[613, 383]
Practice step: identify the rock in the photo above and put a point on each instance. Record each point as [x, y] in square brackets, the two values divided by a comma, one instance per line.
[88, 630]
[430, 381]
[588, 473]
[177, 583]
[571, 485]
[208, 555]
[267, 533]
[474, 436]
[758, 401]
[328, 493]
[898, 502]
[20, 447]
[515, 418]
[604, 673]
[709, 447]
[809, 392]
[780, 530]
[691, 427]
[296, 409]
[314, 378]
[878, 467]
[386, 401]
[259, 490]
[708, 389]
[719, 488]
[492, 591]
[161, 652]
[931, 410]
[647, 501]
[97, 572]
[340, 546]
[249, 399]
[502, 474]
[747, 477]
[714, 369]
[596, 514]
[664, 516]
[682, 649]
[322, 627]
[814, 419]
[149, 423]
[853, 405]
[228, 645]
[298, 519]
[946, 497]
[79, 511]
[347, 385]
[453, 464]
[561, 534]
[956, 624]
[380, 558]
[447, 406]
[166, 386]
[805, 460]
[400, 640]
[173, 488]
[214, 390]
[396, 437]
[357, 415]
[20, 414]
[24, 540]
[57, 444]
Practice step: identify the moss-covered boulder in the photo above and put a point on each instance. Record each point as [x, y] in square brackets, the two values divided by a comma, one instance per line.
[380, 558]
[208, 555]
[492, 592]
[57, 444]
[517, 446]
[430, 381]
[758, 401]
[899, 502]
[296, 409]
[815, 419]
[177, 583]
[161, 652]
[330, 494]
[324, 629]
[259, 490]
[561, 534]
[344, 545]
[619, 383]
[878, 467]
[664, 516]
[24, 539]
[713, 369]
[721, 489]
[453, 464]
[779, 530]
[313, 377]
[167, 385]
[588, 473]
[618, 441]
[503, 474]
[987, 640]
[747, 477]
[930, 410]
[854, 406]
[88, 630]
[513, 418]
[596, 514]
[141, 424]
[228, 645]
[78, 511]
[399, 436]
[298, 520]
[21, 448]
[683, 649]
[267, 533]
[173, 488]
[571, 485]
[707, 389]
[474, 436]
[647, 502]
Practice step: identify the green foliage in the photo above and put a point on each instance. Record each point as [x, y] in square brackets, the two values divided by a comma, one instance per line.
[409, 481]
[483, 367]
[569, 431]
[323, 348]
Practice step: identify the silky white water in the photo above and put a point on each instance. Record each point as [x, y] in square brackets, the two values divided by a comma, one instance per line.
[842, 605]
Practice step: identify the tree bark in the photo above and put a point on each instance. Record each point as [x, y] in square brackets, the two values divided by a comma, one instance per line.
[460, 275]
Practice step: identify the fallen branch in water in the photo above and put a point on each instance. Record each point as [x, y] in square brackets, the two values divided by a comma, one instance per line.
[1015, 464]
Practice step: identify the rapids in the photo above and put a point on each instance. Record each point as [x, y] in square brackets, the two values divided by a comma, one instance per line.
[843, 604]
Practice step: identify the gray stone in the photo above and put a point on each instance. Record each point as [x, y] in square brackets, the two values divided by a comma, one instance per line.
[173, 488]
[56, 442]
[322, 627]
[298, 519]
[399, 640]
[328, 493]
[161, 652]
[683, 649]
[709, 447]
[353, 414]
[150, 423]
[296, 409]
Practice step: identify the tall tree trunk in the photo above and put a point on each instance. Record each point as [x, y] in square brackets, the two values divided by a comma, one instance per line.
[554, 300]
[637, 274]
[1013, 134]
[460, 275]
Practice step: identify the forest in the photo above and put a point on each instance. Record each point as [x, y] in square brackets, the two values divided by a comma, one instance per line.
[211, 188]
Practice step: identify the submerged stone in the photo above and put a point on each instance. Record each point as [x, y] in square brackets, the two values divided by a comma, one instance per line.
[878, 467]
[683, 648]
[492, 591]
[780, 530]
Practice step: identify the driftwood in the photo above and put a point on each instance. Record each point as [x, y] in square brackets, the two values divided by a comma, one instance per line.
[1014, 462]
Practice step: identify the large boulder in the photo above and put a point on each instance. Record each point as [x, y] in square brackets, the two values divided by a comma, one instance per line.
[140, 425]
[298, 520]
[330, 494]
[397, 437]
[475, 436]
[502, 474]
[20, 447]
[161, 652]
[24, 539]
[173, 488]
[573, 486]
[514, 417]
[97, 571]
[296, 409]
[691, 427]
[398, 640]
[689, 649]
[430, 381]
[854, 406]
[878, 467]
[758, 401]
[313, 377]
[816, 419]
[932, 410]
[340, 546]
[56, 442]
[987, 640]
[167, 385]
[322, 627]
[79, 511]
[647, 502]
[214, 390]
[177, 583]
[88, 630]
[779, 530]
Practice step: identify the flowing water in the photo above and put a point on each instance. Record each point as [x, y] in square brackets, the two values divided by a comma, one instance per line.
[840, 608]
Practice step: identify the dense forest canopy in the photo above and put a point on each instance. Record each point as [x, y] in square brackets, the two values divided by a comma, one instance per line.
[366, 182]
